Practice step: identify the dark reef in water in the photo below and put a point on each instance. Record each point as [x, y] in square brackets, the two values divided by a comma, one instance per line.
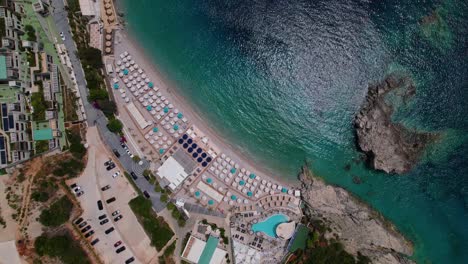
[390, 147]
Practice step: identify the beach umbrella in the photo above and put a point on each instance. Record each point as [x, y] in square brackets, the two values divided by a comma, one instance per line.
[132, 62]
[144, 76]
[180, 115]
[124, 60]
[127, 100]
[125, 72]
[209, 180]
[116, 86]
[252, 176]
[123, 95]
[121, 75]
[119, 62]
[161, 151]
[210, 202]
[127, 65]
[249, 194]
[197, 193]
[129, 57]
[136, 66]
[122, 91]
[176, 127]
[166, 110]
[233, 197]
[241, 182]
[150, 85]
[284, 190]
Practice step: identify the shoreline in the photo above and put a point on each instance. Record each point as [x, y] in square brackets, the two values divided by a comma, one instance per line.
[129, 41]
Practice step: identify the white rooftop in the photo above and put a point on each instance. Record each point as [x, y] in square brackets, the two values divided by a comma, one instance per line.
[173, 172]
[87, 8]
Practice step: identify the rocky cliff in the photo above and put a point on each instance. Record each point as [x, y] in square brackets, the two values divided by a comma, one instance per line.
[357, 226]
[390, 147]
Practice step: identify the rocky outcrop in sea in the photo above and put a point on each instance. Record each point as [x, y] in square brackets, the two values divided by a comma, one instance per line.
[390, 147]
[357, 226]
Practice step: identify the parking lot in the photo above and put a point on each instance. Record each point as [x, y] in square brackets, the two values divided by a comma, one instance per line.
[127, 229]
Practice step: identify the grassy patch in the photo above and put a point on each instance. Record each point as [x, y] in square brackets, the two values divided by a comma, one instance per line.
[168, 253]
[39, 104]
[58, 213]
[42, 146]
[62, 247]
[155, 227]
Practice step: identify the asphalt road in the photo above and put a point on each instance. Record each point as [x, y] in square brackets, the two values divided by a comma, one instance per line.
[95, 117]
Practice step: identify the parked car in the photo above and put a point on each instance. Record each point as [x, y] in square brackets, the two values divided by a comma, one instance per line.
[134, 176]
[77, 189]
[146, 194]
[79, 193]
[107, 187]
[116, 212]
[104, 221]
[110, 200]
[82, 224]
[118, 243]
[79, 220]
[99, 205]
[118, 218]
[123, 145]
[107, 163]
[73, 186]
[102, 217]
[120, 249]
[116, 174]
[147, 177]
[110, 167]
[94, 242]
[130, 260]
[116, 153]
[90, 233]
[85, 229]
[109, 230]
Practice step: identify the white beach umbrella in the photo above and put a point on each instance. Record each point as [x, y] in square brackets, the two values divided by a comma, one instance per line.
[131, 68]
[124, 60]
[158, 94]
[129, 57]
[151, 141]
[121, 90]
[125, 53]
[140, 71]
[132, 62]
[143, 76]
[147, 80]
[123, 95]
[132, 89]
[147, 136]
[170, 106]
[136, 66]
[121, 75]
[163, 98]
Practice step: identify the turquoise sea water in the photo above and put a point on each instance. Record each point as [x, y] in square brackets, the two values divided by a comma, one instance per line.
[282, 80]
[268, 226]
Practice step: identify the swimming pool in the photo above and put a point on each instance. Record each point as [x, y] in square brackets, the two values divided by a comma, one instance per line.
[269, 225]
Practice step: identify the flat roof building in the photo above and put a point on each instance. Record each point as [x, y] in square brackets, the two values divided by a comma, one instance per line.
[201, 252]
[173, 172]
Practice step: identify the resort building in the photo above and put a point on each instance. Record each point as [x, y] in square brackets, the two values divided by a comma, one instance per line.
[15, 131]
[204, 252]
[10, 29]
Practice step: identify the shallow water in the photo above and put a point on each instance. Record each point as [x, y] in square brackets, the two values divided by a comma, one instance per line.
[283, 79]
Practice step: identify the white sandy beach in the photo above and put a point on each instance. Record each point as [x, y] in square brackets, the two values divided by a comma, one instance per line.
[125, 42]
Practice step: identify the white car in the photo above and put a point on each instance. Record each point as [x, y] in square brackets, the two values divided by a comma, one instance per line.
[116, 174]
[62, 36]
[77, 189]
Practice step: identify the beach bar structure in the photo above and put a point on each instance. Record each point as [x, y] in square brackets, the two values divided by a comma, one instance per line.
[132, 109]
[173, 172]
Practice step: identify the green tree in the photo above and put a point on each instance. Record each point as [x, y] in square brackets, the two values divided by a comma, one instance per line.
[58, 213]
[97, 94]
[91, 57]
[115, 125]
[164, 198]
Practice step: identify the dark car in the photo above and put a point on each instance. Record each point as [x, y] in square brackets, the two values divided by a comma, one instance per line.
[130, 260]
[102, 217]
[118, 218]
[120, 249]
[78, 221]
[116, 153]
[116, 212]
[146, 194]
[104, 221]
[99, 205]
[110, 200]
[118, 243]
[94, 242]
[147, 177]
[109, 230]
[90, 233]
[82, 224]
[110, 167]
[107, 187]
[107, 163]
[73, 186]
[78, 194]
[85, 229]
[133, 175]
[123, 145]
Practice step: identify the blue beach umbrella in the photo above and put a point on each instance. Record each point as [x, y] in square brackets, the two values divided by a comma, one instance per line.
[284, 190]
[252, 176]
[176, 127]
[197, 193]
[150, 85]
[181, 141]
[204, 164]
[155, 129]
[116, 86]
[166, 109]
[149, 108]
[210, 202]
[249, 194]
[233, 170]
[161, 151]
[125, 71]
[209, 180]
[180, 115]
[233, 197]
[241, 182]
